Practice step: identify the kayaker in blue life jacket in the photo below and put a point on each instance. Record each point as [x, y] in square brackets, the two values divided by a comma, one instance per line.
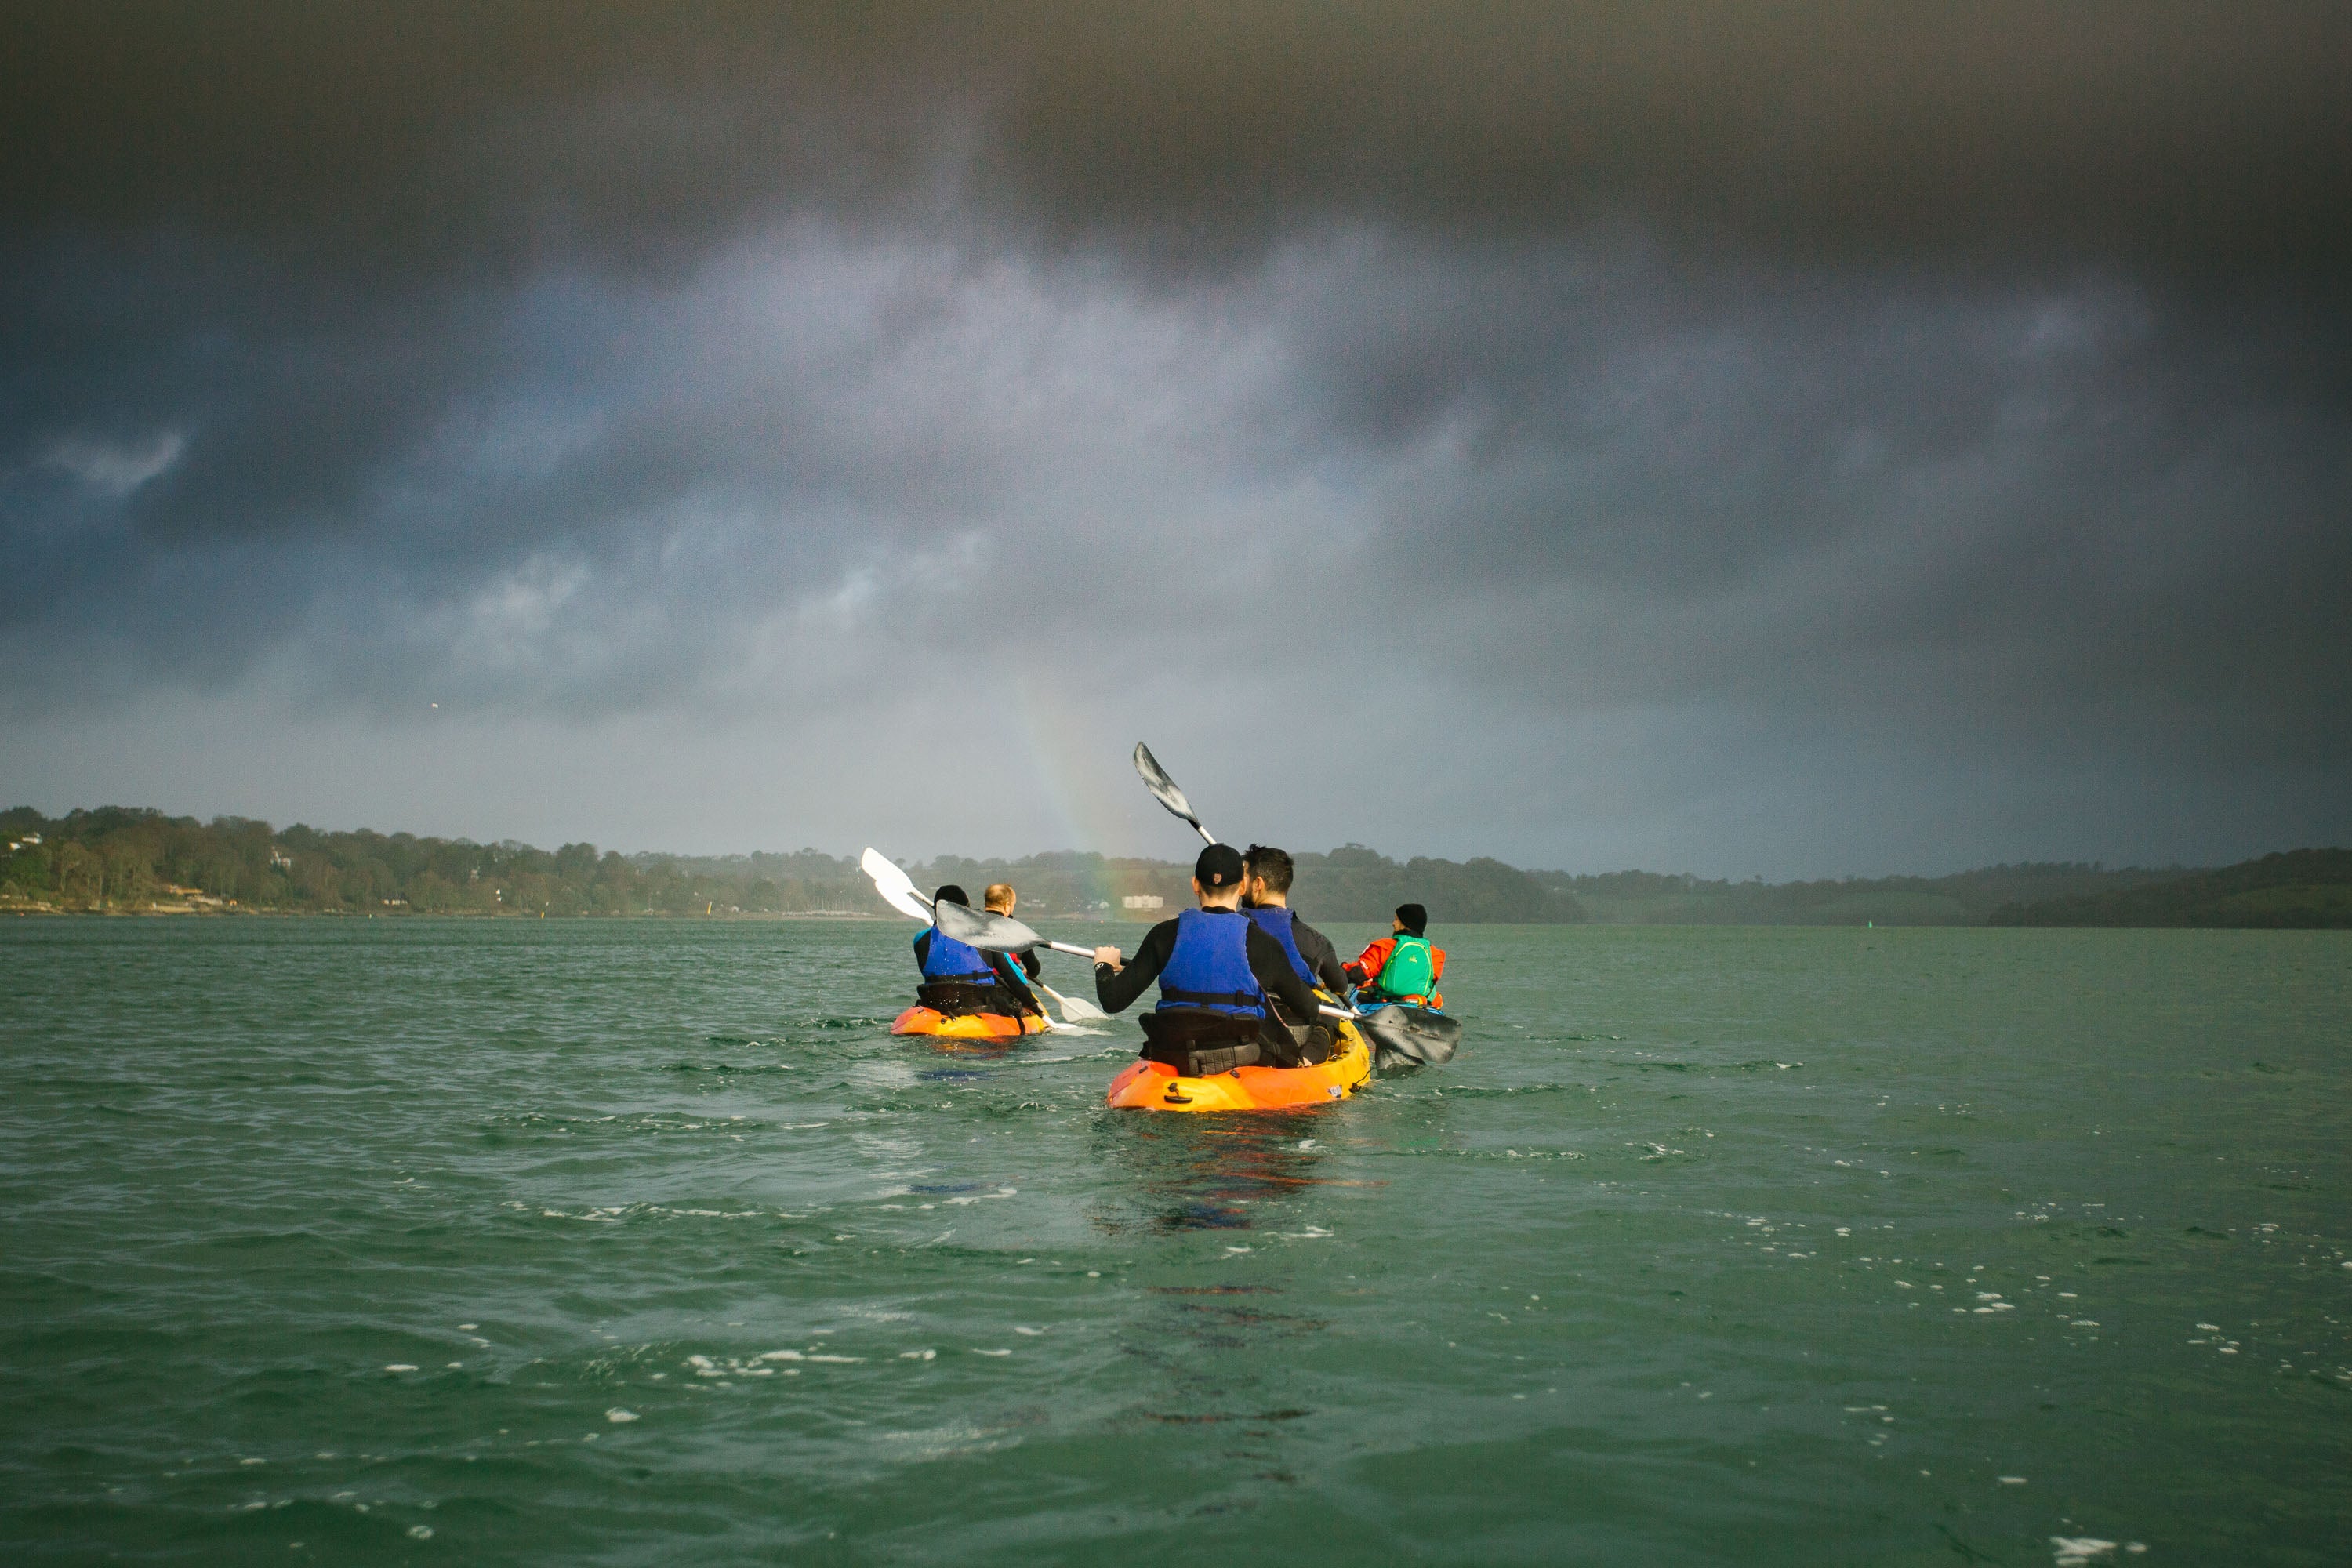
[1266, 896]
[947, 963]
[1216, 969]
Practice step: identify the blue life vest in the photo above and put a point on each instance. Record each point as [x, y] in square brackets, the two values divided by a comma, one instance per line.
[1210, 969]
[948, 959]
[1276, 923]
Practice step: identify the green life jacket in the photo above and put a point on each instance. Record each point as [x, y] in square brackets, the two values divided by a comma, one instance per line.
[1410, 971]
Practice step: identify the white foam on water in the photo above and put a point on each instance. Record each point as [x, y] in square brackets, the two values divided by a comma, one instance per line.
[2010, 1480]
[2073, 1551]
[778, 1355]
[918, 1355]
[838, 1360]
[2209, 1328]
[420, 1532]
[616, 1415]
[398, 1366]
[469, 1325]
[1229, 1250]
[990, 1353]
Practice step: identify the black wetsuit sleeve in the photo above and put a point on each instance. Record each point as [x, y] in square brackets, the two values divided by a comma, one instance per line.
[1029, 964]
[1272, 967]
[1320, 956]
[1117, 989]
[922, 952]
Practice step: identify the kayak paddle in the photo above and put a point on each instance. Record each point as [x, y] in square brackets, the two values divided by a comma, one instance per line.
[1163, 789]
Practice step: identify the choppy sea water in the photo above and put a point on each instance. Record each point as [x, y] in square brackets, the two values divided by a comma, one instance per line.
[634, 1242]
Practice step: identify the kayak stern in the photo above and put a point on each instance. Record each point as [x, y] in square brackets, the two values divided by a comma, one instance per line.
[1155, 1086]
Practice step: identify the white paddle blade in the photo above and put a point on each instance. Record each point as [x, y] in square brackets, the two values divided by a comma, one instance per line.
[892, 883]
[1078, 1010]
[1163, 788]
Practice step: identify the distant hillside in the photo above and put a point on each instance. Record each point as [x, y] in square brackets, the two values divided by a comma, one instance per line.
[124, 861]
[1966, 898]
[2302, 888]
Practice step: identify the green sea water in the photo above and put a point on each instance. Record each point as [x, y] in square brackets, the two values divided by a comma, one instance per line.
[644, 1242]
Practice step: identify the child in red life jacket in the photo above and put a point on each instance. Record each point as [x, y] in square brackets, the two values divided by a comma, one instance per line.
[1402, 967]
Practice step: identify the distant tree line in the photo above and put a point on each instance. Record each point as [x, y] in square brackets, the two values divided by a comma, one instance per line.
[123, 859]
[118, 858]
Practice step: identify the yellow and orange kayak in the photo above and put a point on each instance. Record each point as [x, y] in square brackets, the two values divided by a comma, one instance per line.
[921, 1020]
[1154, 1086]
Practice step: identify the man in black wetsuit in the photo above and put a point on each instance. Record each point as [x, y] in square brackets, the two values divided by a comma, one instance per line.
[1227, 967]
[1265, 894]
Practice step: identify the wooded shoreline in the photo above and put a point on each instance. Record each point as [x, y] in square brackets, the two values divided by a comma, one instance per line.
[133, 861]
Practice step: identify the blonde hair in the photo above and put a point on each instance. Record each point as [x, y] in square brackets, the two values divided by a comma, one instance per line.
[996, 893]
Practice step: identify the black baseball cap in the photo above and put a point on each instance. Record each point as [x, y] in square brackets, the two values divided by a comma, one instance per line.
[1220, 866]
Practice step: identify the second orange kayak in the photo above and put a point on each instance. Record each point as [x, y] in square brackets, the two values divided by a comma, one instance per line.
[921, 1020]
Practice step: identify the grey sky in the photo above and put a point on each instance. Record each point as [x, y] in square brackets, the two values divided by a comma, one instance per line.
[1781, 439]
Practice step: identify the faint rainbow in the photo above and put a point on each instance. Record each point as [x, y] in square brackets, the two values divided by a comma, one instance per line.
[1084, 809]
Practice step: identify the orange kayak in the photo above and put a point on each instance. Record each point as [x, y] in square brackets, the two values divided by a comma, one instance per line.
[921, 1020]
[1154, 1086]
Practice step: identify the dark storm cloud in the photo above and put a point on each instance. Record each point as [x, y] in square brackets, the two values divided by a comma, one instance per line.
[1801, 384]
[2210, 137]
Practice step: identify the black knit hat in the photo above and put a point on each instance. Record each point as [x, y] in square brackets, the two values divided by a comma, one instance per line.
[1220, 866]
[951, 894]
[1415, 919]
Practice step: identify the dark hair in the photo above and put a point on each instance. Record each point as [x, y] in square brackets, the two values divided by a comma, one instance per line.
[1274, 866]
[1415, 919]
[951, 894]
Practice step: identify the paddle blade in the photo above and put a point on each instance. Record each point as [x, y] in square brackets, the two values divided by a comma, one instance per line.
[988, 933]
[1405, 1037]
[1078, 1010]
[1163, 788]
[892, 883]
[1074, 1009]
